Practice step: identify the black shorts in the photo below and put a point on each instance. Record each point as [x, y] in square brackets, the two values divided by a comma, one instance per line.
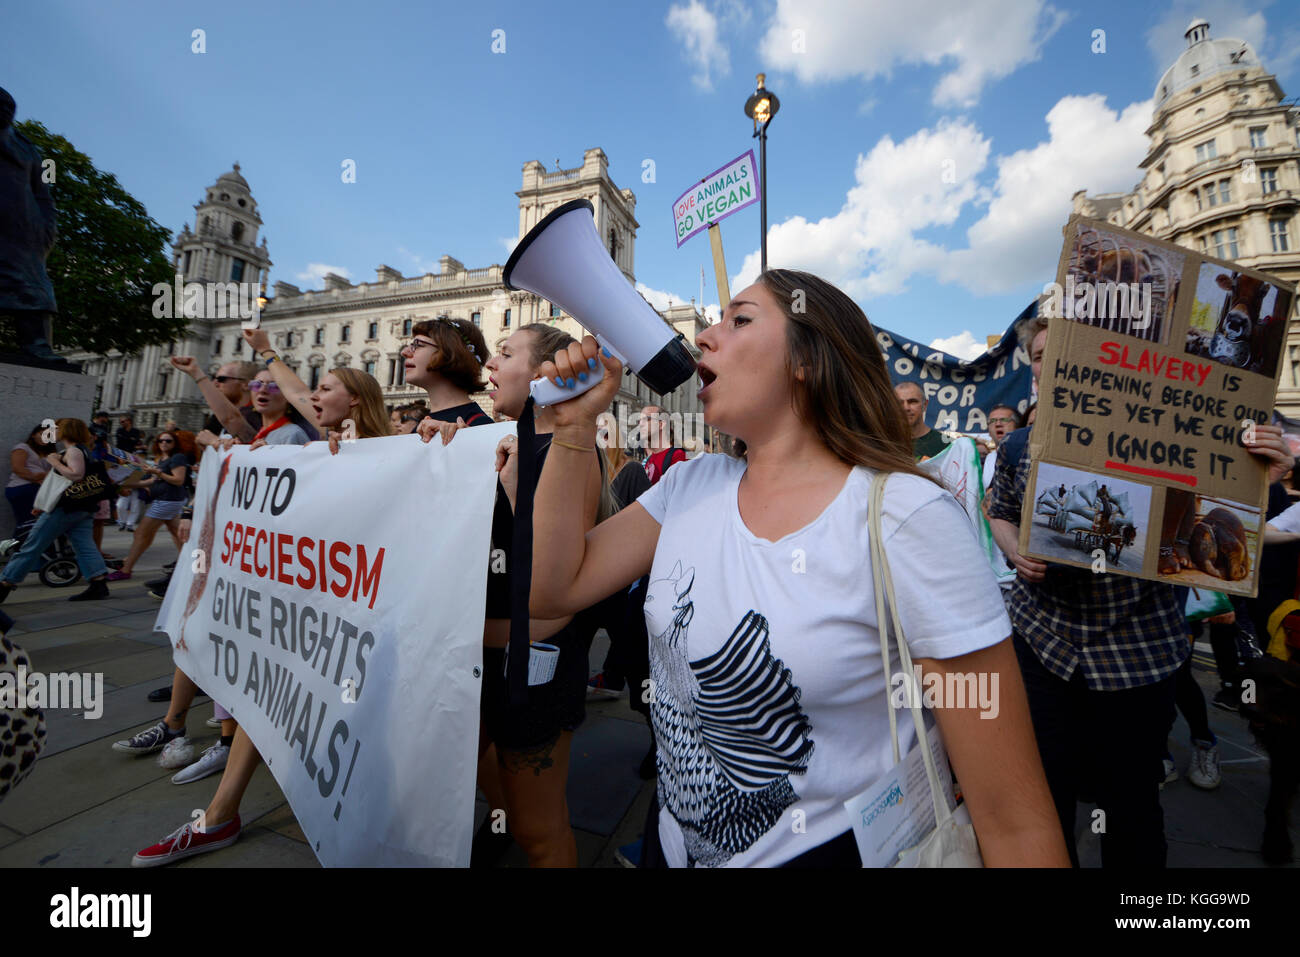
[559, 705]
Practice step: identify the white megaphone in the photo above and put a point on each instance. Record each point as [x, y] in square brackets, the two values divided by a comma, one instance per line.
[562, 260]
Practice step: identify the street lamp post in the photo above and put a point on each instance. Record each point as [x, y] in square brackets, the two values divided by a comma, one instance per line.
[760, 108]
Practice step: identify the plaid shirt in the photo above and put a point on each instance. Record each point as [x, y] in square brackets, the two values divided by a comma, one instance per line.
[1123, 632]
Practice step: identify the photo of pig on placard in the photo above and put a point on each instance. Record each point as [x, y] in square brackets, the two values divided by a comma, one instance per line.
[1207, 542]
[1081, 517]
[1118, 283]
[1238, 320]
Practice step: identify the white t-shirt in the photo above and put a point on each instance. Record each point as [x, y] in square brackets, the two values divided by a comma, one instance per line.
[769, 697]
[1287, 521]
[990, 466]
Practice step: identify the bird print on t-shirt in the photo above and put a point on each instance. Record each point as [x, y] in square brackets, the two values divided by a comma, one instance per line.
[729, 725]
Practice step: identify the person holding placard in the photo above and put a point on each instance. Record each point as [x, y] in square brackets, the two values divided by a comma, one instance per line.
[1099, 654]
[768, 694]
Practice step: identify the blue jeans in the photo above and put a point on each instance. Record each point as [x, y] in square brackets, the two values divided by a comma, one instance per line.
[78, 526]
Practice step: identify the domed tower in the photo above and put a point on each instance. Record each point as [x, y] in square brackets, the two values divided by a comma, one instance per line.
[222, 246]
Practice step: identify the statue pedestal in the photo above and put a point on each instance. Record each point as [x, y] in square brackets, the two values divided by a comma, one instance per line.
[28, 395]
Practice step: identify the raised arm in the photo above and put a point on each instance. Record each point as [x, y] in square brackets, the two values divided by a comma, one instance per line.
[573, 570]
[293, 389]
[231, 418]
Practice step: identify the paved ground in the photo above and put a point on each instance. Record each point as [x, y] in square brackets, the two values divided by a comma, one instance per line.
[87, 806]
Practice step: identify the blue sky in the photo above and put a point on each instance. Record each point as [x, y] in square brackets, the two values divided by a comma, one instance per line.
[923, 158]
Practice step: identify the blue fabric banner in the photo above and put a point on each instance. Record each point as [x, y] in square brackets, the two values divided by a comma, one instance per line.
[960, 392]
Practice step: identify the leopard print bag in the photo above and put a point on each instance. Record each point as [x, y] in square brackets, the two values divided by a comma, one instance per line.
[22, 731]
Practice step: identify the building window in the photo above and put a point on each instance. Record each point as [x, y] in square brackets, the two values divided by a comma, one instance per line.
[401, 371]
[1257, 138]
[216, 346]
[117, 398]
[392, 373]
[237, 270]
[188, 254]
[288, 340]
[1206, 151]
[237, 230]
[1195, 69]
[370, 367]
[315, 377]
[1225, 191]
[238, 347]
[320, 335]
[476, 318]
[1196, 195]
[555, 311]
[406, 327]
[372, 330]
[1211, 196]
[162, 385]
[345, 333]
[1277, 231]
[1225, 243]
[1268, 181]
[505, 320]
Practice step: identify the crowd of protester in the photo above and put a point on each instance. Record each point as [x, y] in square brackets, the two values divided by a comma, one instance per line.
[671, 554]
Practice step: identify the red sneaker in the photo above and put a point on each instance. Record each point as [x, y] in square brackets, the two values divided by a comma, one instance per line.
[185, 842]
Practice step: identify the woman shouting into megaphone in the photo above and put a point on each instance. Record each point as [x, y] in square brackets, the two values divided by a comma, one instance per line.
[767, 687]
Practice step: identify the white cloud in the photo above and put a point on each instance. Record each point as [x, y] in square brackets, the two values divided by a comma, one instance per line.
[975, 42]
[315, 272]
[695, 27]
[963, 345]
[509, 243]
[869, 247]
[875, 243]
[1089, 146]
[662, 300]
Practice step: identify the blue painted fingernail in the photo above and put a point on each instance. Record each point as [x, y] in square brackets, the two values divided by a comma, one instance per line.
[582, 377]
[559, 382]
[570, 382]
[607, 354]
[591, 363]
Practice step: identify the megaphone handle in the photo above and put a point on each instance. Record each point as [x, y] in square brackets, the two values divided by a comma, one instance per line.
[546, 392]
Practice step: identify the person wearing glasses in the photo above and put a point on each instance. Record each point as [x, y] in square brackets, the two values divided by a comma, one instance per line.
[1003, 420]
[174, 452]
[227, 395]
[407, 418]
[348, 403]
[445, 358]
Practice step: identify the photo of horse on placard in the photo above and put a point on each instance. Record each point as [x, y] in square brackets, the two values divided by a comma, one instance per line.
[1082, 517]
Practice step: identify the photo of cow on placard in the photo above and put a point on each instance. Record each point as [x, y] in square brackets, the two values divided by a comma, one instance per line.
[1120, 283]
[1238, 320]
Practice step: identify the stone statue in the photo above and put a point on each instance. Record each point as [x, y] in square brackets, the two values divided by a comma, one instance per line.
[27, 232]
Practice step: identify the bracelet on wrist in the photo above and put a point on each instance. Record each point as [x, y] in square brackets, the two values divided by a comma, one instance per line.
[201, 378]
[270, 356]
[568, 445]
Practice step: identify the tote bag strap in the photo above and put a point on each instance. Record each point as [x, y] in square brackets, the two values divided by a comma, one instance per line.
[884, 588]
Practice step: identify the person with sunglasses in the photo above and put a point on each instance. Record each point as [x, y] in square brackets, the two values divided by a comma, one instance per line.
[174, 452]
[407, 418]
[227, 395]
[345, 404]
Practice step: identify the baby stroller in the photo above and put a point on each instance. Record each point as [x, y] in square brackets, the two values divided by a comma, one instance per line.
[58, 563]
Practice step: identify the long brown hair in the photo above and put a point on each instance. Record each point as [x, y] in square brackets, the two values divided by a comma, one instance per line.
[846, 393]
[370, 417]
[545, 341]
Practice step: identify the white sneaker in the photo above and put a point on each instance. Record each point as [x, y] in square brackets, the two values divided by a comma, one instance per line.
[1171, 773]
[213, 722]
[212, 761]
[178, 753]
[1204, 769]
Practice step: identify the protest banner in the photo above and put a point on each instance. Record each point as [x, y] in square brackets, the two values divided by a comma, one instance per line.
[723, 192]
[334, 605]
[960, 392]
[1159, 360]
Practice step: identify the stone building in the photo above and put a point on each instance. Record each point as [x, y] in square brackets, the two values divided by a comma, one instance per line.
[1222, 173]
[364, 324]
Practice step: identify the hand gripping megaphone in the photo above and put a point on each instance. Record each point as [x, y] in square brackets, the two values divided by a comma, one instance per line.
[562, 260]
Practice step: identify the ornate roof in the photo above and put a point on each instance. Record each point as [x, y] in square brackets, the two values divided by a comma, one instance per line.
[1203, 59]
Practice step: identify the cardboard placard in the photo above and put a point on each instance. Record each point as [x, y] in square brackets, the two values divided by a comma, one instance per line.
[1158, 360]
